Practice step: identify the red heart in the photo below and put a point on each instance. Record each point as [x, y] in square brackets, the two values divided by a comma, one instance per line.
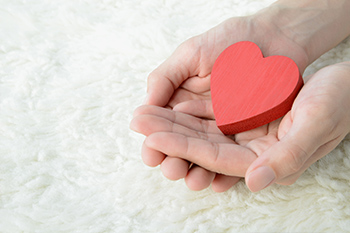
[249, 90]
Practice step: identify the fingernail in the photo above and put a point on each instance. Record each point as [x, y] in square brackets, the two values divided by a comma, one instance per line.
[260, 178]
[145, 101]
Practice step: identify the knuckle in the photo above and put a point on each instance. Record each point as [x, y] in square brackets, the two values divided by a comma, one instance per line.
[215, 152]
[202, 136]
[296, 159]
[189, 44]
[205, 125]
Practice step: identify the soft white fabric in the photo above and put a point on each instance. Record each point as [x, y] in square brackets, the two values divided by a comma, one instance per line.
[71, 74]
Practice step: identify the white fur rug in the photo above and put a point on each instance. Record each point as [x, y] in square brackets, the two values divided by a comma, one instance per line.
[71, 74]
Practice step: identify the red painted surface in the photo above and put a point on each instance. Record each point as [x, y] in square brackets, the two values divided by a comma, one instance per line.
[249, 90]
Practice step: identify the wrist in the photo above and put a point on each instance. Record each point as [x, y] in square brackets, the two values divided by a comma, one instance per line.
[276, 41]
[315, 26]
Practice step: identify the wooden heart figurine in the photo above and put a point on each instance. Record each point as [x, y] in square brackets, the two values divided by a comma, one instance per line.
[249, 90]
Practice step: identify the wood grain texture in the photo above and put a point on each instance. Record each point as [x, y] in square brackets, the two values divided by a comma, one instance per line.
[249, 90]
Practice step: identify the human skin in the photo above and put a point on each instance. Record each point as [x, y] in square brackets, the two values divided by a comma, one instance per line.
[316, 124]
[301, 30]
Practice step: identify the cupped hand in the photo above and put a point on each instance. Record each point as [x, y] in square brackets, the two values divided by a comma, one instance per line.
[275, 153]
[177, 137]
[318, 121]
[185, 75]
[182, 83]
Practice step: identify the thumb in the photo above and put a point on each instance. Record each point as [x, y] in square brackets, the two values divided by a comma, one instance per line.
[282, 159]
[167, 77]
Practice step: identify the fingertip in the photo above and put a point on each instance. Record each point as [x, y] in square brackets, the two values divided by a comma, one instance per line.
[145, 100]
[222, 183]
[260, 178]
[198, 108]
[174, 168]
[151, 157]
[159, 92]
[151, 140]
[138, 125]
[185, 107]
[139, 111]
[134, 125]
[199, 178]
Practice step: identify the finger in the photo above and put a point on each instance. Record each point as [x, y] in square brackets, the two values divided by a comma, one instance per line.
[193, 88]
[225, 158]
[146, 125]
[167, 120]
[174, 168]
[320, 152]
[198, 108]
[222, 183]
[199, 178]
[196, 178]
[283, 159]
[183, 95]
[197, 84]
[151, 157]
[165, 79]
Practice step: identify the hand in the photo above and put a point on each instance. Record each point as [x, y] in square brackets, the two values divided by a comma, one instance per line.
[275, 153]
[182, 82]
[180, 135]
[285, 28]
[318, 121]
[185, 75]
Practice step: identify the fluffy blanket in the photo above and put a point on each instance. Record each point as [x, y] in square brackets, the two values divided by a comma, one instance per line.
[71, 74]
